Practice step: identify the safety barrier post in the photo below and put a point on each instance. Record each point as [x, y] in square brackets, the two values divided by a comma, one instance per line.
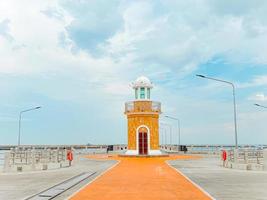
[246, 156]
[265, 159]
[33, 159]
[7, 162]
[236, 155]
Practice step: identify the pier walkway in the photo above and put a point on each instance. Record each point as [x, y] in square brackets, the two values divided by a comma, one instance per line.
[223, 183]
[18, 186]
[142, 178]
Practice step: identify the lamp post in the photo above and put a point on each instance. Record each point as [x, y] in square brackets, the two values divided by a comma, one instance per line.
[35, 108]
[161, 136]
[170, 127]
[260, 105]
[234, 101]
[165, 136]
[178, 127]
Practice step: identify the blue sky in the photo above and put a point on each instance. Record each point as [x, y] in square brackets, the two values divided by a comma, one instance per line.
[76, 59]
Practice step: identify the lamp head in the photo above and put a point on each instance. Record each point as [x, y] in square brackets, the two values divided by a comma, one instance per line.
[37, 107]
[256, 104]
[201, 76]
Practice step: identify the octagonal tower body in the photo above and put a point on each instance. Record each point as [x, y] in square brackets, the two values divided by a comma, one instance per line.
[143, 120]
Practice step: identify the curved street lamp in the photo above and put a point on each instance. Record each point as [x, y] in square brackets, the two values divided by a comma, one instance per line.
[170, 127]
[163, 132]
[178, 126]
[260, 105]
[234, 101]
[23, 111]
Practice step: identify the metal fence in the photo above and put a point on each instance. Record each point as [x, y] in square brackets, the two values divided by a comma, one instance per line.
[196, 149]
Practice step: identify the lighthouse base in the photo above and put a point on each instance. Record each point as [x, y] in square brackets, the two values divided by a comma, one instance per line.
[150, 153]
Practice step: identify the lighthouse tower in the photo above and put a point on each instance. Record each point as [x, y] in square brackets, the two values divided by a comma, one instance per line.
[143, 120]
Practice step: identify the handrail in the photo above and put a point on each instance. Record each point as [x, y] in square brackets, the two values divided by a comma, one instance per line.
[142, 106]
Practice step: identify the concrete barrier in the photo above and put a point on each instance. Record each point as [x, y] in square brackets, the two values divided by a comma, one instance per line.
[265, 159]
[246, 159]
[20, 160]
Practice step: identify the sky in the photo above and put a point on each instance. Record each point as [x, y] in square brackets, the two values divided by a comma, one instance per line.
[76, 59]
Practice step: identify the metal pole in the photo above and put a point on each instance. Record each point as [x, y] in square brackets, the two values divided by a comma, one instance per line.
[170, 128]
[162, 136]
[179, 133]
[234, 102]
[160, 143]
[20, 114]
[19, 128]
[178, 128]
[165, 134]
[170, 135]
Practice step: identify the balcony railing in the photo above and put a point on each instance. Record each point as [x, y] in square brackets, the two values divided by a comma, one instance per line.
[142, 106]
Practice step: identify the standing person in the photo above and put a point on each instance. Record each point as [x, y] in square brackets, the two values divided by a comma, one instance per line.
[185, 149]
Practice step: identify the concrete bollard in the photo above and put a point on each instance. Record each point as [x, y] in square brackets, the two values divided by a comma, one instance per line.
[265, 159]
[246, 157]
[75, 157]
[33, 159]
[7, 162]
[236, 155]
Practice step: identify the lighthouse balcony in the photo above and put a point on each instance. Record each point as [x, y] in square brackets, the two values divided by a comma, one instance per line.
[142, 106]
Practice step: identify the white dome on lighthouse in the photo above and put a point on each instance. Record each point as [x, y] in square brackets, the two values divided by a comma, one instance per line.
[142, 81]
[142, 86]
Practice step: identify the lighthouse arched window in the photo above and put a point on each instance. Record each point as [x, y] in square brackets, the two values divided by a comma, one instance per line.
[142, 93]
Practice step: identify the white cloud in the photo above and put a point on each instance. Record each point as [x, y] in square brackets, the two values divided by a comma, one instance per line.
[174, 38]
[167, 40]
[258, 97]
[178, 39]
[122, 88]
[256, 81]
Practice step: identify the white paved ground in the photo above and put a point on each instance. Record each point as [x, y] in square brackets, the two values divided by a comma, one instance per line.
[22, 185]
[224, 184]
[221, 183]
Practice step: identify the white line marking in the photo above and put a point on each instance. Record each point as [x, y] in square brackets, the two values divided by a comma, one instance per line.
[72, 195]
[196, 185]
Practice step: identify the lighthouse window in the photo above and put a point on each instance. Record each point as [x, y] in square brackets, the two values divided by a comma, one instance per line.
[148, 93]
[142, 93]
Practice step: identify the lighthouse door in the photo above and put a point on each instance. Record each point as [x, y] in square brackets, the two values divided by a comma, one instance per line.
[142, 140]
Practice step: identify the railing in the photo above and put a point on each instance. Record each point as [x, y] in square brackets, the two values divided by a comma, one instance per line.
[2, 157]
[142, 106]
[246, 156]
[30, 156]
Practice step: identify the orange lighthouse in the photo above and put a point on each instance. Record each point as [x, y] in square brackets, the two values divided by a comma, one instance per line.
[143, 120]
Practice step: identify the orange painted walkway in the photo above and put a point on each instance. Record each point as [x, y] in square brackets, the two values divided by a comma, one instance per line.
[141, 178]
